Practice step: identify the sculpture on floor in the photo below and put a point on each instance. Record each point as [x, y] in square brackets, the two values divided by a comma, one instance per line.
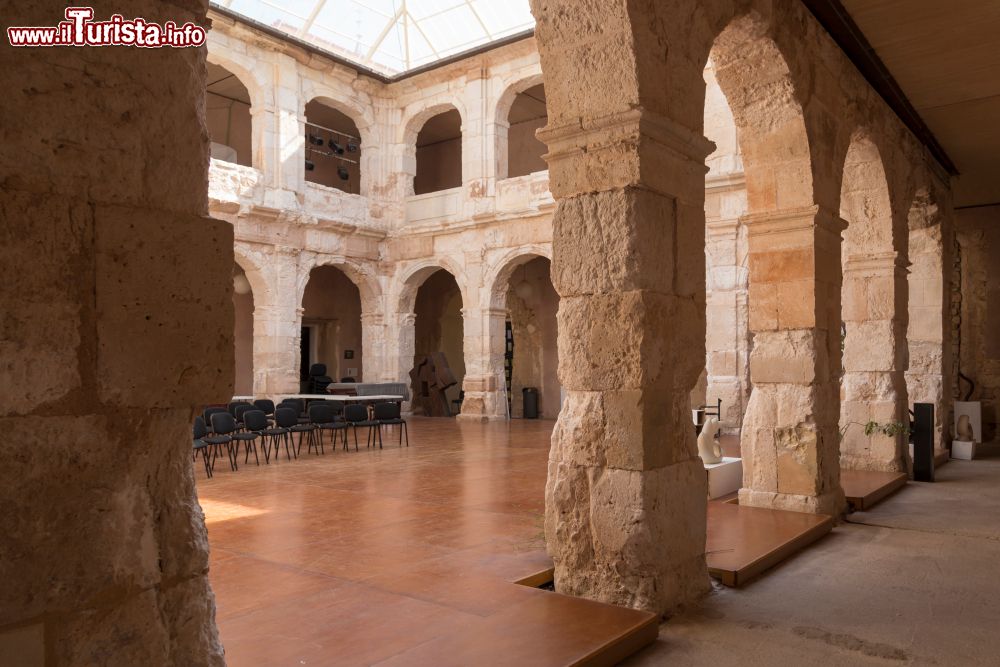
[708, 449]
[964, 429]
[429, 379]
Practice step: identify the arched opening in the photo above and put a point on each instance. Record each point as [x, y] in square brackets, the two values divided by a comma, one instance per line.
[227, 114]
[243, 332]
[331, 327]
[439, 334]
[724, 387]
[527, 114]
[333, 148]
[872, 384]
[439, 153]
[531, 357]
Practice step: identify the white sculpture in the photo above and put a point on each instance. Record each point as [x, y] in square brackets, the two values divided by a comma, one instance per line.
[708, 449]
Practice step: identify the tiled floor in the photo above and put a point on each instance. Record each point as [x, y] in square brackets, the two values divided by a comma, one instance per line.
[405, 553]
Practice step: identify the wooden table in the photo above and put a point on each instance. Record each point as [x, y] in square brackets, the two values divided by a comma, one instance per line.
[340, 398]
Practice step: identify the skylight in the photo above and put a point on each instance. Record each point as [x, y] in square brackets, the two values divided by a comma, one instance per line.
[390, 36]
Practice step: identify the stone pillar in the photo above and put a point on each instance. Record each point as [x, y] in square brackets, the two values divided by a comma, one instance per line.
[483, 367]
[875, 353]
[626, 492]
[790, 436]
[117, 329]
[928, 333]
[372, 345]
[405, 343]
[277, 327]
[726, 327]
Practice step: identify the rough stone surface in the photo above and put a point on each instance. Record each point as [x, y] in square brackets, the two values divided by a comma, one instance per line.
[117, 326]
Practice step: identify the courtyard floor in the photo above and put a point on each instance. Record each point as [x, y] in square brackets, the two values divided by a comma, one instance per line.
[403, 555]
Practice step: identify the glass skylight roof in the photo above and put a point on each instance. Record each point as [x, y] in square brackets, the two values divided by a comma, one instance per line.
[390, 36]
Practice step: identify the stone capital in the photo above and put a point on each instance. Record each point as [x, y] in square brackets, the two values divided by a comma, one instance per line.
[629, 148]
[794, 220]
[876, 264]
[718, 230]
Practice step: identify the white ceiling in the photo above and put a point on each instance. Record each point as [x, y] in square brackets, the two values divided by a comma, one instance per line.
[391, 36]
[945, 55]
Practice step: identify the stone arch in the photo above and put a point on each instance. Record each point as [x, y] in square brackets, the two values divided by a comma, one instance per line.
[413, 122]
[865, 203]
[500, 272]
[257, 91]
[363, 119]
[764, 95]
[413, 276]
[361, 274]
[874, 312]
[414, 119]
[501, 114]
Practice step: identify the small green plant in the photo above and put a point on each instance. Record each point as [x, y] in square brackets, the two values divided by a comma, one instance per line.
[890, 429]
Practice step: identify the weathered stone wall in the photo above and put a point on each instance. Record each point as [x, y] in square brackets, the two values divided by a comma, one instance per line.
[117, 326]
[978, 231]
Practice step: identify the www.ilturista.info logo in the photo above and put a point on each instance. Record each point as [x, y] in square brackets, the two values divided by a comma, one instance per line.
[80, 30]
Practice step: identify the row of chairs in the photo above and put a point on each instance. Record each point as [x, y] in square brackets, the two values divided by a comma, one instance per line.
[245, 423]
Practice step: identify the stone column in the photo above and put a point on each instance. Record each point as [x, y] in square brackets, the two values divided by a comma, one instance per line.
[372, 346]
[277, 327]
[726, 328]
[790, 433]
[403, 339]
[875, 353]
[483, 367]
[117, 330]
[928, 333]
[626, 492]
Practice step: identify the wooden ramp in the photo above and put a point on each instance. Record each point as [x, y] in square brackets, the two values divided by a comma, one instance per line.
[539, 628]
[545, 629]
[865, 488]
[745, 541]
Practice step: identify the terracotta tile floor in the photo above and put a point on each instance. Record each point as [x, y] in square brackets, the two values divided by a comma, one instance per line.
[358, 557]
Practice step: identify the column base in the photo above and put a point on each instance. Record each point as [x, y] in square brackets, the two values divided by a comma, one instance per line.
[634, 538]
[832, 503]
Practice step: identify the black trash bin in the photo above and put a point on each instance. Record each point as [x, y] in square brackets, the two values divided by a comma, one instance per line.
[530, 395]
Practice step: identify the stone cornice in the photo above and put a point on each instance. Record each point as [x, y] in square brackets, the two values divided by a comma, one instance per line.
[628, 127]
[794, 220]
[725, 182]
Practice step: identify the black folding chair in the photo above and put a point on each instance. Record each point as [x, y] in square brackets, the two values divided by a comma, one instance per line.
[223, 427]
[388, 414]
[255, 424]
[200, 431]
[265, 405]
[324, 418]
[285, 420]
[357, 416]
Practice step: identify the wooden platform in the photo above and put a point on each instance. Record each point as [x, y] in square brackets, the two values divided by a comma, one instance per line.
[745, 541]
[402, 556]
[864, 488]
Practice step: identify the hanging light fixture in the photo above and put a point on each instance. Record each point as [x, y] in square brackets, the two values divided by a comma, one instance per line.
[336, 147]
[352, 147]
[315, 140]
[240, 284]
[343, 173]
[524, 289]
[310, 165]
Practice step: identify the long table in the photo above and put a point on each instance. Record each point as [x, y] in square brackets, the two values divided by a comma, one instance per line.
[339, 398]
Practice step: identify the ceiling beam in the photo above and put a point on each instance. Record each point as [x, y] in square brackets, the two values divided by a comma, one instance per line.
[837, 21]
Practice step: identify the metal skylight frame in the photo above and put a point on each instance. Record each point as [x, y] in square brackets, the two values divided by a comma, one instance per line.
[405, 42]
